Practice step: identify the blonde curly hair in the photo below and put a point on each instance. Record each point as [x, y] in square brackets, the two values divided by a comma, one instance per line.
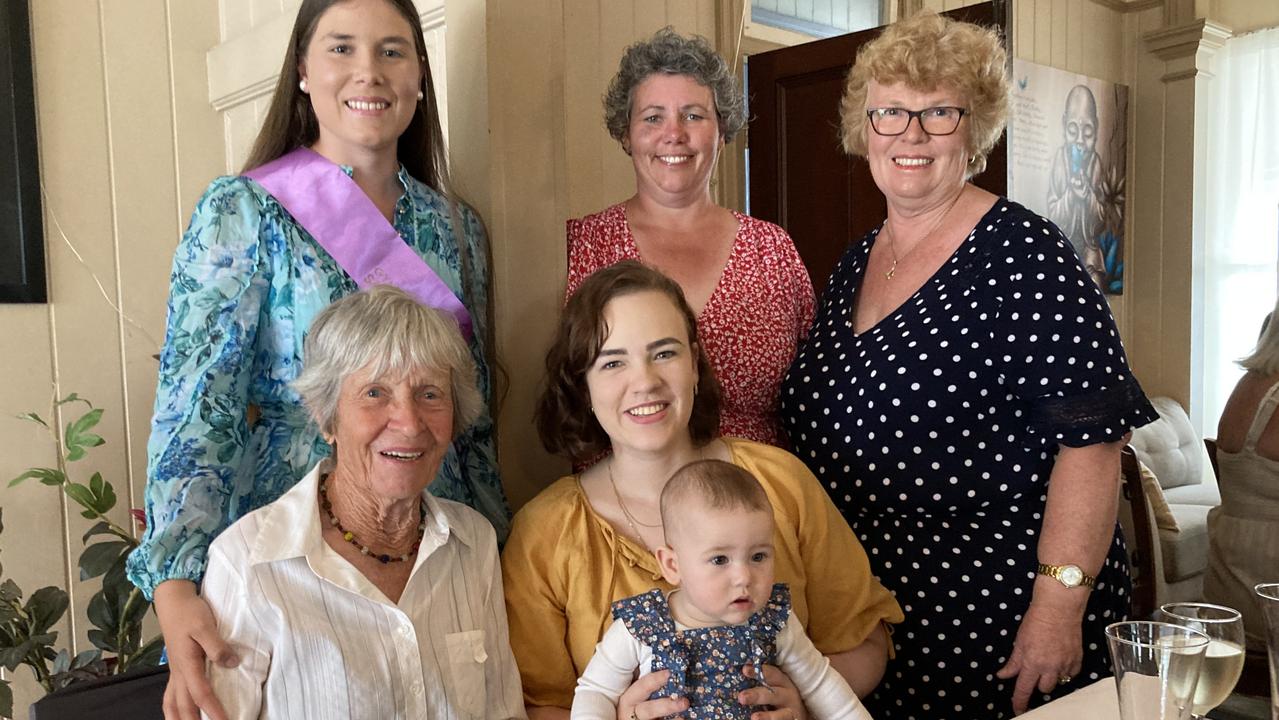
[926, 52]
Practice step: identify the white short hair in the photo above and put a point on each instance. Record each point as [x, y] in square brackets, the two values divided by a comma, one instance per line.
[390, 332]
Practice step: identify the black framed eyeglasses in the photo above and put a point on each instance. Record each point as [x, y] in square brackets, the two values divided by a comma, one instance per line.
[940, 120]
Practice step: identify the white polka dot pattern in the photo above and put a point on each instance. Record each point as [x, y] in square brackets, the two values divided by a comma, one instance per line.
[935, 431]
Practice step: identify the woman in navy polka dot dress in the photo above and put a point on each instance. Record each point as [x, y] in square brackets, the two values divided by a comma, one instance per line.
[963, 396]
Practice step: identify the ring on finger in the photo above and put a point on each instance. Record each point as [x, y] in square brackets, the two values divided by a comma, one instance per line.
[1063, 679]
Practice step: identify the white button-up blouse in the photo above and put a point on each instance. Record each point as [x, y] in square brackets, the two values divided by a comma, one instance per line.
[318, 641]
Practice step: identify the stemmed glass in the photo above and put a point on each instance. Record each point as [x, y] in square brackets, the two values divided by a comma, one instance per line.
[1223, 660]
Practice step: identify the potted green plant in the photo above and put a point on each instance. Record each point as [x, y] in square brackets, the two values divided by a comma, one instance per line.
[116, 611]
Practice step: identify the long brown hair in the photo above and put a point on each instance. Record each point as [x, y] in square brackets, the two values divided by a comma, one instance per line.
[290, 122]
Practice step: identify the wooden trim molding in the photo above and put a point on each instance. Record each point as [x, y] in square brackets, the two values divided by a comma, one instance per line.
[1128, 6]
[1187, 49]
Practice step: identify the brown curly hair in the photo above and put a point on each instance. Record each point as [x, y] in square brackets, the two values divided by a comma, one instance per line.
[565, 423]
[926, 52]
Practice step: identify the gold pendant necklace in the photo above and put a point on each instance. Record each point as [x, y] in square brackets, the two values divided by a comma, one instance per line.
[630, 519]
[892, 236]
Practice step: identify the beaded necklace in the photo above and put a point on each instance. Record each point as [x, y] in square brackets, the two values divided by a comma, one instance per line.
[348, 536]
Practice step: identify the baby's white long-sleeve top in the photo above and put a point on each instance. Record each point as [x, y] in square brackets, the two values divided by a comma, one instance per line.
[619, 655]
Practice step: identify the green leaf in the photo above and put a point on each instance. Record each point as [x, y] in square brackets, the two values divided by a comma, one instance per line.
[62, 662]
[75, 452]
[48, 476]
[81, 494]
[7, 613]
[102, 613]
[6, 699]
[99, 557]
[46, 606]
[73, 397]
[106, 498]
[149, 654]
[100, 528]
[91, 440]
[82, 425]
[32, 417]
[12, 657]
[95, 484]
[102, 640]
[85, 658]
[9, 591]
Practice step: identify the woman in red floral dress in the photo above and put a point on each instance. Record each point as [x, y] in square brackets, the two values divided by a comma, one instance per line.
[673, 105]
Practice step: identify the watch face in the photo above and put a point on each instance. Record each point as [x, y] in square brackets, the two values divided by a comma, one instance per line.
[1071, 575]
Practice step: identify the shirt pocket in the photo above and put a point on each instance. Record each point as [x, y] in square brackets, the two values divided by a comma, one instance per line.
[466, 664]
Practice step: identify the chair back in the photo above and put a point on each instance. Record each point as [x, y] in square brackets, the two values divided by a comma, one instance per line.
[1134, 519]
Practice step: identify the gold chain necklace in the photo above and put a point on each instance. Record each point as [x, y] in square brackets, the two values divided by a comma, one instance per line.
[892, 236]
[630, 519]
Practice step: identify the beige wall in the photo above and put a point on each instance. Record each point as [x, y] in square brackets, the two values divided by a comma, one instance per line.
[127, 141]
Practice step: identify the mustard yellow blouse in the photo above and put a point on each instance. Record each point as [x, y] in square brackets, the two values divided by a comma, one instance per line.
[563, 567]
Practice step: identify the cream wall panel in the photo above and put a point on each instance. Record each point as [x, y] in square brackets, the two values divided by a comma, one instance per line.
[1145, 251]
[124, 127]
[262, 10]
[141, 135]
[72, 81]
[33, 542]
[587, 144]
[236, 17]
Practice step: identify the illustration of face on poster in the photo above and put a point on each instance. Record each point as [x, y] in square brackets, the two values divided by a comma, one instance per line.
[1067, 161]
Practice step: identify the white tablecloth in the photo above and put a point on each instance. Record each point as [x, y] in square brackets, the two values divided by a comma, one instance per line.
[1095, 702]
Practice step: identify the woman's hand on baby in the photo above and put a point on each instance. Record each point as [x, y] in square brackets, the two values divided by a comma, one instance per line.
[777, 691]
[635, 705]
[190, 636]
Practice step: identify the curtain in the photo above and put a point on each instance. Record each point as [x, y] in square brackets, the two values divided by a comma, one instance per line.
[1241, 254]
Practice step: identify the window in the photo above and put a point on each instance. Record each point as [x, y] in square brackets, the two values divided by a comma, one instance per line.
[817, 18]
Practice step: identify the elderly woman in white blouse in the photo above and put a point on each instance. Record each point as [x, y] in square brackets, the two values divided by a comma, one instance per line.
[357, 594]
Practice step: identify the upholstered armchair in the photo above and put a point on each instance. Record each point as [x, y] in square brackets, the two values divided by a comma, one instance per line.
[1168, 468]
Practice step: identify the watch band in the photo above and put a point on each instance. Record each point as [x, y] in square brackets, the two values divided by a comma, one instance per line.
[1068, 575]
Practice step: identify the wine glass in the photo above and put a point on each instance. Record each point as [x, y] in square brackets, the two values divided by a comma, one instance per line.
[1223, 660]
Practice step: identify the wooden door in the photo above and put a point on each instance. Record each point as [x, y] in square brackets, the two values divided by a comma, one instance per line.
[800, 177]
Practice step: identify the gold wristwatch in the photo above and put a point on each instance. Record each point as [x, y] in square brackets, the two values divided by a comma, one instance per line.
[1069, 575]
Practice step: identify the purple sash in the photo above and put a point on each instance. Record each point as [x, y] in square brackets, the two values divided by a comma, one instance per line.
[335, 211]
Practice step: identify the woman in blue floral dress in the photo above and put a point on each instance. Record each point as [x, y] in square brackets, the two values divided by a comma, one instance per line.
[229, 434]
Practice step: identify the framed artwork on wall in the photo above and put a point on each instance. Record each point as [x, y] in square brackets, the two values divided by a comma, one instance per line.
[22, 277]
[1067, 161]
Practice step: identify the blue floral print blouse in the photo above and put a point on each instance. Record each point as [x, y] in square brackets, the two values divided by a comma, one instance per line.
[247, 281]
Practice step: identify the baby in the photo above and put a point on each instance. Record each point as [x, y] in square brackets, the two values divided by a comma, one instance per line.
[724, 613]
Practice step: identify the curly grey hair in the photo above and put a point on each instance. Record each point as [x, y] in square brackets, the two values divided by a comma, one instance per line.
[389, 331]
[670, 53]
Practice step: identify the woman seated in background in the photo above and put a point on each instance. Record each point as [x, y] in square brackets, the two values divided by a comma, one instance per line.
[1243, 532]
[357, 594]
[673, 105]
[964, 396]
[626, 372]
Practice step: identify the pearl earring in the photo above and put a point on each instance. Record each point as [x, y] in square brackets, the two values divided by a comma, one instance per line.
[302, 84]
[420, 95]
